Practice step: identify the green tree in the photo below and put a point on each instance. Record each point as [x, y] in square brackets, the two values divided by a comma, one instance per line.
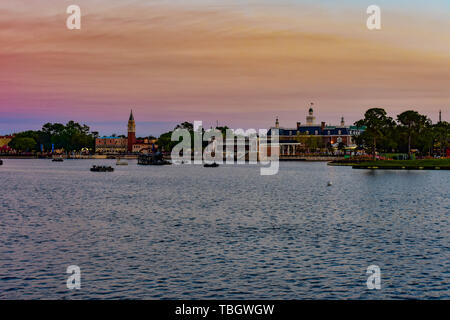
[378, 126]
[185, 125]
[302, 139]
[312, 143]
[441, 133]
[72, 136]
[165, 141]
[223, 130]
[413, 124]
[23, 144]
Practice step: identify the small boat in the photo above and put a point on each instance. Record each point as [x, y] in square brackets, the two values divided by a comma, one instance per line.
[57, 159]
[210, 165]
[155, 159]
[1, 162]
[121, 163]
[212, 149]
[102, 169]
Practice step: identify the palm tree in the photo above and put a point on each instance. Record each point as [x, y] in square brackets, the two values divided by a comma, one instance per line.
[413, 123]
[442, 134]
[377, 125]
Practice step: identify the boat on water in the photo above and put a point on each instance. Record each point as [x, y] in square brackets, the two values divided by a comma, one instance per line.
[154, 159]
[211, 165]
[211, 149]
[1, 162]
[57, 159]
[121, 163]
[102, 169]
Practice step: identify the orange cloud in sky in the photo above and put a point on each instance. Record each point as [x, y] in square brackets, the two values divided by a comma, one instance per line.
[176, 63]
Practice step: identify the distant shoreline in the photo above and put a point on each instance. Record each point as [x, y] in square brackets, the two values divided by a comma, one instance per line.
[423, 164]
[90, 157]
[134, 157]
[426, 164]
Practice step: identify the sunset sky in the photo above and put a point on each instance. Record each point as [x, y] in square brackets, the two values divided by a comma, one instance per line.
[240, 62]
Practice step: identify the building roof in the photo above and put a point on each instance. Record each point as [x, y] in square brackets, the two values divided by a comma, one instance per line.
[311, 130]
[111, 138]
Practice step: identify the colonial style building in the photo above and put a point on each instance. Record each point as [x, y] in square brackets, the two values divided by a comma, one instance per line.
[111, 145]
[120, 145]
[313, 136]
[145, 145]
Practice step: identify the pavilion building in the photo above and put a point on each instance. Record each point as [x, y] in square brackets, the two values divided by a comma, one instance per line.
[312, 135]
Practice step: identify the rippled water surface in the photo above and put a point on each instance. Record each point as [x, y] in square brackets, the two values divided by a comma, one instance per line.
[190, 232]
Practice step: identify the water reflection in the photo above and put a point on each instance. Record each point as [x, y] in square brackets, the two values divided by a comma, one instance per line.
[187, 232]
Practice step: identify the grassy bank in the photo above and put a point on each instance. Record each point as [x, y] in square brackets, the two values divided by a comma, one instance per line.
[431, 164]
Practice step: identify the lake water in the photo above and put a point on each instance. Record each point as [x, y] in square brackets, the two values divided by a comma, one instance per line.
[188, 232]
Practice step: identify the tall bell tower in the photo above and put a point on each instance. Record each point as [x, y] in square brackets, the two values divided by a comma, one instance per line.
[310, 118]
[131, 132]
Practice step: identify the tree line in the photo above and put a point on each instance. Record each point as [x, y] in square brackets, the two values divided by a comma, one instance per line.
[70, 137]
[411, 130]
[165, 140]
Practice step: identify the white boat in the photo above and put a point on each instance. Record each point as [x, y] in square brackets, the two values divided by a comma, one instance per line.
[121, 163]
[211, 150]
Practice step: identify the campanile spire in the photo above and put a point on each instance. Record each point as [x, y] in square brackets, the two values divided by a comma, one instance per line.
[131, 132]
